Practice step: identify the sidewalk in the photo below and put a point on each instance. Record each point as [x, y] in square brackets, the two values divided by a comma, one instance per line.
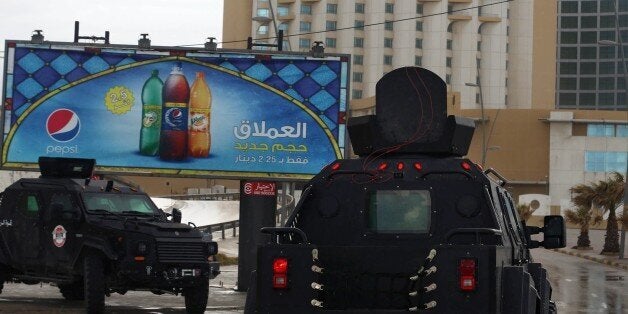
[597, 243]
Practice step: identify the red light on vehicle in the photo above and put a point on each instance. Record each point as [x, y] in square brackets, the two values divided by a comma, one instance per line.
[400, 166]
[140, 258]
[466, 271]
[418, 166]
[466, 166]
[335, 166]
[280, 273]
[382, 166]
[280, 265]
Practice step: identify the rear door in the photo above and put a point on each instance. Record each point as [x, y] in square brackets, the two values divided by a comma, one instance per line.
[61, 231]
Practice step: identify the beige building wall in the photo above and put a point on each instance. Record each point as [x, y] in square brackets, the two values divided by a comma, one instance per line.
[236, 23]
[543, 87]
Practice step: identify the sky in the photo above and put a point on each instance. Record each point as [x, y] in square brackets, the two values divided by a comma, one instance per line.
[168, 22]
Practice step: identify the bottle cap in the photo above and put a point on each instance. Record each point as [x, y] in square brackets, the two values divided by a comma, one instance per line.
[154, 72]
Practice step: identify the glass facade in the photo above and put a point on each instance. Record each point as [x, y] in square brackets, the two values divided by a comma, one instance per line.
[595, 161]
[590, 74]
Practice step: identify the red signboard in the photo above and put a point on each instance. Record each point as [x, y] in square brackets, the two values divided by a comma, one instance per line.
[260, 188]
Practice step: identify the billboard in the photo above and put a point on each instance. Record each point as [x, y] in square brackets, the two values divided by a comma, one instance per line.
[173, 111]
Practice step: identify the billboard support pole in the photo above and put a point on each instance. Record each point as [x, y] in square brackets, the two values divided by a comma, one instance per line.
[258, 203]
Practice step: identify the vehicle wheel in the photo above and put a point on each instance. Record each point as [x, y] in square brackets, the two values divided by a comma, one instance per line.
[196, 297]
[94, 280]
[73, 292]
[3, 277]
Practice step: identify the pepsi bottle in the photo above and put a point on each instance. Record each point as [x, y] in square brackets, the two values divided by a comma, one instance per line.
[173, 140]
[151, 115]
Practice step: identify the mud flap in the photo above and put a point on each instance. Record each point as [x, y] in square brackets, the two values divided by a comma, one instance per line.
[542, 285]
[519, 295]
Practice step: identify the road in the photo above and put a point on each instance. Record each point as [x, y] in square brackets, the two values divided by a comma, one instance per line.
[580, 286]
[583, 286]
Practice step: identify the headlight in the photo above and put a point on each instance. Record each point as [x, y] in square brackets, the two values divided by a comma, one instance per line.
[212, 248]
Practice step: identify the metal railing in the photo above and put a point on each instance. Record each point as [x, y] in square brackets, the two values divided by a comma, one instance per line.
[222, 227]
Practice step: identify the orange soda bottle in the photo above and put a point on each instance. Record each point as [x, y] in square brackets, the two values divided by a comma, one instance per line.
[199, 137]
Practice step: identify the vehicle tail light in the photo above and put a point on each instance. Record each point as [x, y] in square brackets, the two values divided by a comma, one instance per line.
[400, 166]
[418, 166]
[280, 273]
[467, 275]
[335, 166]
[382, 166]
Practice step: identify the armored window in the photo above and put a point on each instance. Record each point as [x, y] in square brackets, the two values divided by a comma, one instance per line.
[29, 205]
[399, 211]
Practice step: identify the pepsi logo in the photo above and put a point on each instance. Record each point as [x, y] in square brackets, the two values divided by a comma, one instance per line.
[176, 113]
[63, 125]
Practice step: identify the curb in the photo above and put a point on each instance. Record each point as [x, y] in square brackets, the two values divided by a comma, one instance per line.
[592, 258]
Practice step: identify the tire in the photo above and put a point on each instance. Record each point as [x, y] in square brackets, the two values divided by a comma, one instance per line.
[196, 297]
[3, 277]
[73, 292]
[94, 284]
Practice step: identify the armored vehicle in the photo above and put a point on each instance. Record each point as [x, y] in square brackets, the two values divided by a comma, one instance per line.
[410, 225]
[91, 238]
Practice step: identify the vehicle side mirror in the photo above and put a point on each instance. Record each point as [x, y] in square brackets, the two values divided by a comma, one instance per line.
[554, 232]
[176, 215]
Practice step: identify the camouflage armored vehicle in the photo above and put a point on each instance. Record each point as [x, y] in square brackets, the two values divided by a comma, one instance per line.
[91, 238]
[410, 225]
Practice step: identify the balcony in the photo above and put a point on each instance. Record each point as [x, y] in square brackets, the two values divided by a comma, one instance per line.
[459, 16]
[310, 0]
[489, 18]
[459, 1]
[285, 1]
[286, 17]
[428, 0]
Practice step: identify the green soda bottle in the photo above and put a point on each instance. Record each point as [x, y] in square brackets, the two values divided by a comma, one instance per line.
[151, 115]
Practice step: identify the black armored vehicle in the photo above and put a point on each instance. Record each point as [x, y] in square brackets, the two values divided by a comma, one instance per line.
[410, 225]
[91, 238]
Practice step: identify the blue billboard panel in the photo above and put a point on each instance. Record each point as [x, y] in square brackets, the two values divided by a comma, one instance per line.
[174, 112]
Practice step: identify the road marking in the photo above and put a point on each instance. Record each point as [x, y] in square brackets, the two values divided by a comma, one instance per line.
[568, 280]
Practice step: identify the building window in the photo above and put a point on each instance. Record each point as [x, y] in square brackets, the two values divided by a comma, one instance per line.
[305, 26]
[388, 25]
[388, 59]
[389, 8]
[359, 24]
[595, 161]
[330, 25]
[419, 8]
[304, 43]
[357, 77]
[606, 130]
[283, 27]
[358, 59]
[283, 11]
[359, 8]
[569, 22]
[448, 78]
[262, 30]
[358, 42]
[330, 42]
[332, 8]
[588, 22]
[419, 26]
[569, 7]
[448, 62]
[418, 43]
[263, 12]
[477, 98]
[306, 9]
[449, 44]
[356, 94]
[418, 60]
[388, 42]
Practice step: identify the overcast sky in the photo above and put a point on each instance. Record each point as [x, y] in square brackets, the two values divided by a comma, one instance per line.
[168, 22]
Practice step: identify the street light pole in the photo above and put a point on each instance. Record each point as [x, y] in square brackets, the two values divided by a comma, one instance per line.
[479, 86]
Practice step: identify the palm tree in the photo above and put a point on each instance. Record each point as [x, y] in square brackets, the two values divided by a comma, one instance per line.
[609, 194]
[582, 217]
[582, 197]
